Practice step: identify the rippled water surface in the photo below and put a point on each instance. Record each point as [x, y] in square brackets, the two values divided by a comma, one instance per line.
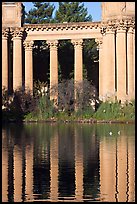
[68, 162]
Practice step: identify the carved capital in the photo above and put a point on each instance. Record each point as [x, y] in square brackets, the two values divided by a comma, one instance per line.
[99, 42]
[53, 44]
[5, 33]
[77, 43]
[17, 32]
[28, 45]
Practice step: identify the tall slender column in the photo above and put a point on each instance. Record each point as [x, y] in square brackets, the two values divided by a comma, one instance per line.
[101, 71]
[5, 58]
[28, 65]
[121, 62]
[53, 69]
[78, 70]
[130, 65]
[17, 59]
[108, 76]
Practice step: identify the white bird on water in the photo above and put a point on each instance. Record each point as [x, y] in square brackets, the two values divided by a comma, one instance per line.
[110, 133]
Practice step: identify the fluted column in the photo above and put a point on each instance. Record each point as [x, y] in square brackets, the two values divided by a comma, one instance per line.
[108, 71]
[28, 65]
[5, 58]
[101, 71]
[78, 60]
[53, 69]
[17, 59]
[121, 62]
[130, 64]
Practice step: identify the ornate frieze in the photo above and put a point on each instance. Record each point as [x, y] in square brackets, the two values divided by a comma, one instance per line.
[62, 26]
[28, 45]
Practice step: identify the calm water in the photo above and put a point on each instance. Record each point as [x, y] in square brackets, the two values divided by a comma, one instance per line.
[68, 162]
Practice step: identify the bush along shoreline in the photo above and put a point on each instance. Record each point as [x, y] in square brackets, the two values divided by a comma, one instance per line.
[85, 107]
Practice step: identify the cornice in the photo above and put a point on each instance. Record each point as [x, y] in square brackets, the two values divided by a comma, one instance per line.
[61, 26]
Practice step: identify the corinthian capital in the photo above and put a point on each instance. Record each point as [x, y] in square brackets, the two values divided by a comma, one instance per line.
[28, 45]
[17, 32]
[99, 42]
[5, 33]
[52, 43]
[77, 42]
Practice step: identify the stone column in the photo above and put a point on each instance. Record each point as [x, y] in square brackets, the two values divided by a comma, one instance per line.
[17, 59]
[121, 62]
[107, 75]
[53, 69]
[28, 65]
[101, 71]
[130, 64]
[78, 70]
[5, 58]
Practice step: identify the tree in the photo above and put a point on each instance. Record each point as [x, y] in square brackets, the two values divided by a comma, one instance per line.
[42, 13]
[72, 12]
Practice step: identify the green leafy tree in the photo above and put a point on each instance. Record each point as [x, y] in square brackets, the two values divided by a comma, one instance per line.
[42, 13]
[72, 12]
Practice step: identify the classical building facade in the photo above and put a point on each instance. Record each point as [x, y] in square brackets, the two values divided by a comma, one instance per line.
[114, 34]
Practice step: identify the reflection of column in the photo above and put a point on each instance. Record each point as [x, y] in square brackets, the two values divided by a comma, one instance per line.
[101, 71]
[107, 171]
[4, 171]
[17, 175]
[131, 90]
[54, 169]
[5, 58]
[78, 168]
[28, 65]
[17, 59]
[131, 155]
[122, 167]
[53, 68]
[29, 172]
[121, 63]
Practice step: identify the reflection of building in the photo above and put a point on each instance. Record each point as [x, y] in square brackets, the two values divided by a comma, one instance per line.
[117, 169]
[66, 165]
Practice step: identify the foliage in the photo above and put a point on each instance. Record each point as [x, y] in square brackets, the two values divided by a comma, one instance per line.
[115, 111]
[42, 13]
[72, 12]
[16, 105]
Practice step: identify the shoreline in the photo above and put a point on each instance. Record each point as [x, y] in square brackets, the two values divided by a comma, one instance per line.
[80, 121]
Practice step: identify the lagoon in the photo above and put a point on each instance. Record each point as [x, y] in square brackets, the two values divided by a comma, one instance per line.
[68, 162]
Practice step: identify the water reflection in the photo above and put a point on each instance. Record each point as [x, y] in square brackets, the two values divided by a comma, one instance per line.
[73, 162]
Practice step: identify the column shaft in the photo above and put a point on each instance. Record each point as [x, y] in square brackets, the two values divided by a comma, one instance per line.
[5, 61]
[130, 65]
[53, 69]
[28, 66]
[107, 75]
[121, 64]
[17, 63]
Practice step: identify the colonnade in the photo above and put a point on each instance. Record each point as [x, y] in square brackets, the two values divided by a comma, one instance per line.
[116, 60]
